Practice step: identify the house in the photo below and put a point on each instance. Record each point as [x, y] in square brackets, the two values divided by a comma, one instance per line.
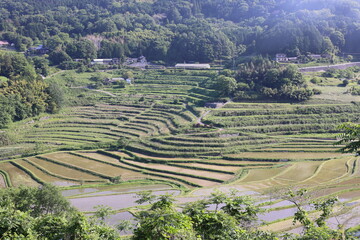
[142, 59]
[105, 61]
[281, 57]
[192, 66]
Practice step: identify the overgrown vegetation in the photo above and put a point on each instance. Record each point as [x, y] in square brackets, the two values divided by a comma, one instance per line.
[24, 94]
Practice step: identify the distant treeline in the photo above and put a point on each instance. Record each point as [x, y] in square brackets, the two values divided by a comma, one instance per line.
[182, 30]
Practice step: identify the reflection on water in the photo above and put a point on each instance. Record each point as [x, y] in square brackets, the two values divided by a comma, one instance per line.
[275, 215]
[64, 183]
[114, 189]
[118, 201]
[72, 192]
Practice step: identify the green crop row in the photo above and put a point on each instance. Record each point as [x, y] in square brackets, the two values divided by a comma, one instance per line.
[150, 152]
[162, 120]
[292, 117]
[210, 144]
[327, 109]
[165, 82]
[76, 138]
[6, 177]
[135, 128]
[291, 128]
[160, 144]
[255, 159]
[299, 120]
[213, 139]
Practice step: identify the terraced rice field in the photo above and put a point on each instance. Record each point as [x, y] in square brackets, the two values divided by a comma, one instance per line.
[171, 138]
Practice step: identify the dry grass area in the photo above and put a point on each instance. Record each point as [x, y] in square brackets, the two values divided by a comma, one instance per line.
[164, 158]
[43, 176]
[201, 173]
[263, 174]
[2, 182]
[337, 94]
[200, 182]
[88, 164]
[64, 171]
[17, 176]
[100, 157]
[299, 171]
[330, 171]
[214, 167]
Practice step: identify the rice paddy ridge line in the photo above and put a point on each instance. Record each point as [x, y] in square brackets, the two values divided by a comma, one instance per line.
[132, 168]
[348, 172]
[176, 164]
[75, 167]
[6, 178]
[204, 161]
[57, 175]
[277, 179]
[271, 178]
[355, 167]
[91, 195]
[320, 169]
[28, 172]
[172, 172]
[80, 133]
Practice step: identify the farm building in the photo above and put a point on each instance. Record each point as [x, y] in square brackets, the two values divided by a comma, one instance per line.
[109, 61]
[192, 66]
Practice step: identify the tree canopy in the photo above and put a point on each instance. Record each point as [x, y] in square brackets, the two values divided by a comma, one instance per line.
[182, 30]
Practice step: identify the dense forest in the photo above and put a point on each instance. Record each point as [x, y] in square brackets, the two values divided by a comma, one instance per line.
[181, 30]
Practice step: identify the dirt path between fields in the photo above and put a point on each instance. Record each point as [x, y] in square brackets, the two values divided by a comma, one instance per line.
[96, 90]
